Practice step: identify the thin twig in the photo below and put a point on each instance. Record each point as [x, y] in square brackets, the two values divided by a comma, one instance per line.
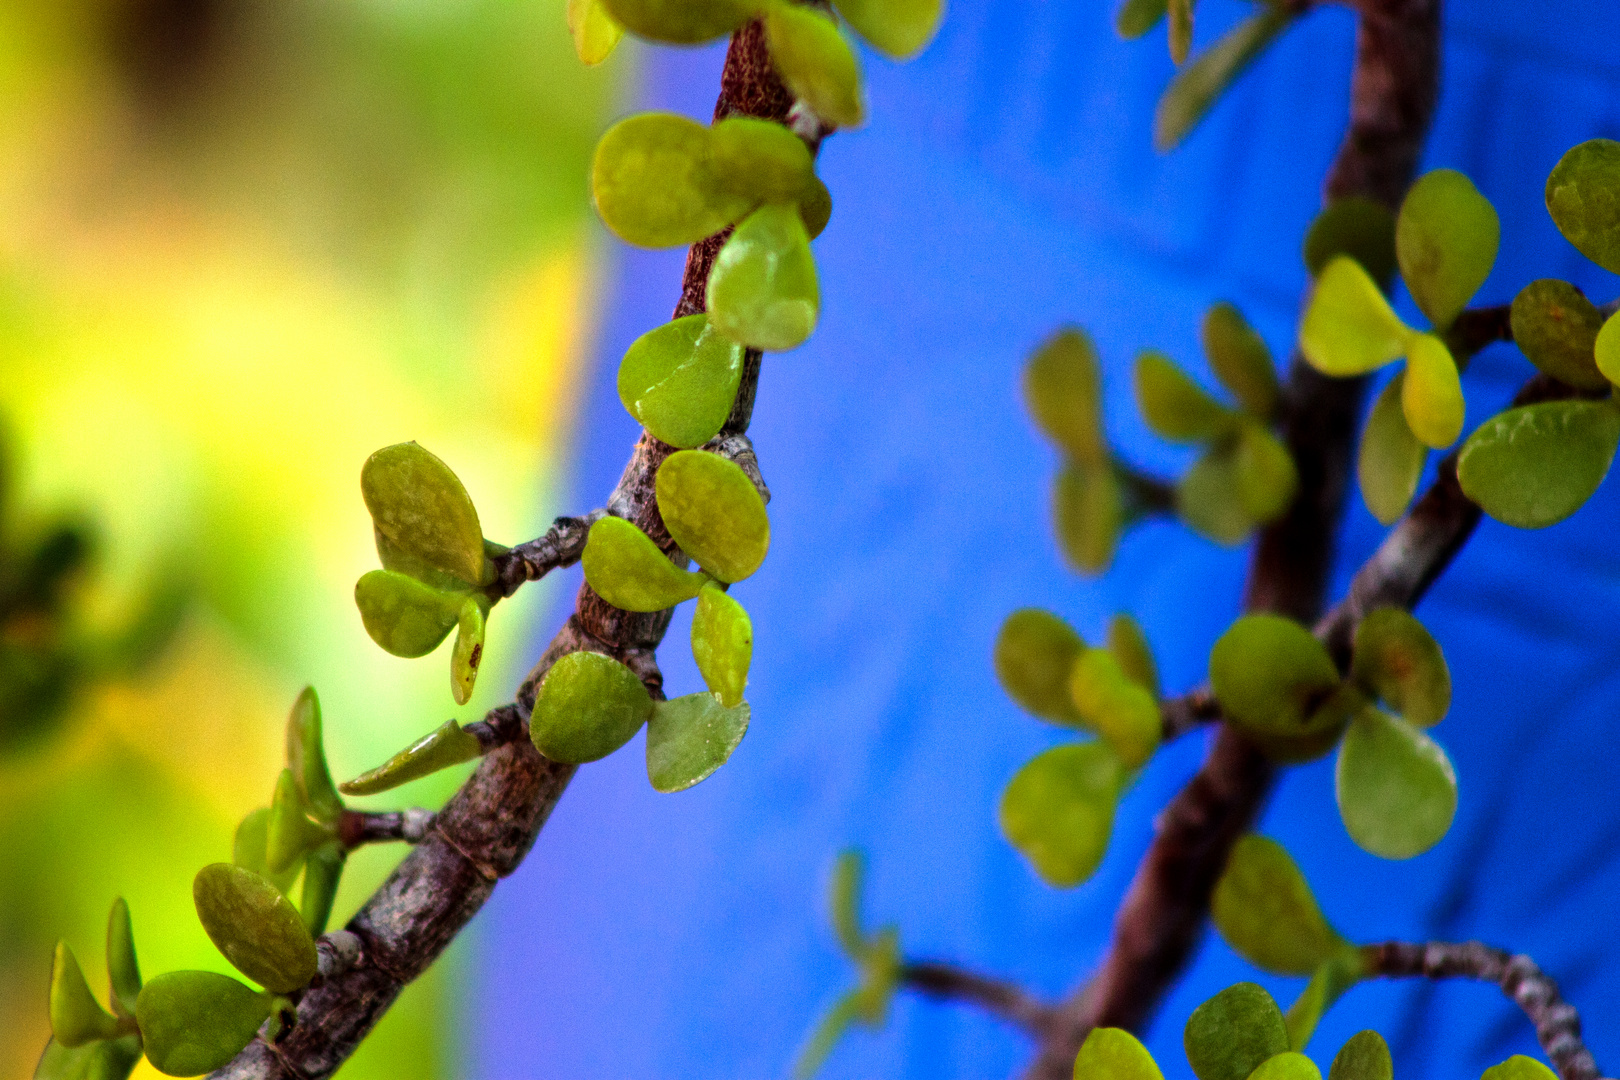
[562, 545]
[358, 827]
[1006, 1000]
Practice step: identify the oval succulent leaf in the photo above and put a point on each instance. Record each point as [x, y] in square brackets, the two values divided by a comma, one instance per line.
[1197, 86]
[722, 644]
[762, 291]
[627, 570]
[689, 737]
[1063, 390]
[306, 757]
[1536, 465]
[1431, 393]
[1557, 328]
[1135, 656]
[1518, 1067]
[1233, 1033]
[256, 927]
[1035, 655]
[815, 62]
[652, 184]
[404, 616]
[714, 512]
[1175, 407]
[469, 650]
[1088, 511]
[105, 1059]
[1446, 238]
[123, 970]
[897, 28]
[1364, 1056]
[1240, 360]
[681, 22]
[1358, 227]
[1391, 458]
[1396, 789]
[1606, 349]
[761, 159]
[194, 1022]
[422, 509]
[1265, 911]
[588, 706]
[1400, 662]
[441, 748]
[76, 1016]
[1264, 474]
[594, 32]
[1583, 197]
[1119, 710]
[1289, 1065]
[1271, 676]
[1114, 1054]
[680, 380]
[1058, 810]
[1349, 328]
[1207, 498]
[815, 208]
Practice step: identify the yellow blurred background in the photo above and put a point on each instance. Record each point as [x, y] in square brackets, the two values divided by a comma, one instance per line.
[244, 243]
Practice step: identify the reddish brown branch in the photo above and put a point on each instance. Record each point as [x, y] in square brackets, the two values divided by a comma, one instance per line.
[1003, 999]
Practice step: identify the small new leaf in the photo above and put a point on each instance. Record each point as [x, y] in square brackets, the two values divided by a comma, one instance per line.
[1263, 474]
[1135, 656]
[123, 971]
[1391, 458]
[1208, 500]
[714, 512]
[897, 28]
[1197, 86]
[722, 644]
[443, 747]
[1240, 360]
[1063, 389]
[1272, 677]
[1445, 240]
[1431, 393]
[469, 650]
[762, 291]
[1114, 1054]
[815, 62]
[306, 757]
[1175, 407]
[1088, 511]
[1120, 710]
[76, 1016]
[594, 32]
[1328, 984]
[1349, 328]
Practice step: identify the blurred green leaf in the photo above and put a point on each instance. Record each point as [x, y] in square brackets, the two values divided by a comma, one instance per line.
[255, 926]
[1233, 1033]
[1349, 328]
[762, 291]
[1058, 810]
[1197, 86]
[1536, 465]
[1207, 498]
[1360, 228]
[1063, 389]
[1263, 474]
[588, 706]
[76, 1016]
[1557, 329]
[1088, 511]
[422, 508]
[1606, 349]
[1137, 17]
[1175, 407]
[1364, 1056]
[194, 1022]
[681, 22]
[714, 512]
[444, 746]
[1431, 393]
[1583, 197]
[1287, 1066]
[897, 28]
[834, 1024]
[1111, 1053]
[306, 757]
[816, 208]
[1272, 677]
[1181, 30]
[722, 644]
[288, 833]
[815, 62]
[1034, 656]
[105, 1059]
[123, 970]
[250, 848]
[594, 32]
[1518, 1067]
[689, 737]
[627, 570]
[469, 650]
[1391, 458]
[1266, 912]
[1120, 710]
[652, 183]
[1240, 360]
[404, 616]
[1399, 661]
[1396, 789]
[322, 872]
[1131, 649]
[1446, 238]
[1328, 984]
[761, 159]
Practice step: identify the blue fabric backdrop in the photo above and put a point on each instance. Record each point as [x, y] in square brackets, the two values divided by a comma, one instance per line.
[1006, 185]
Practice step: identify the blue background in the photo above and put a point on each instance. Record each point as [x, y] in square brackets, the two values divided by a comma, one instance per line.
[1005, 185]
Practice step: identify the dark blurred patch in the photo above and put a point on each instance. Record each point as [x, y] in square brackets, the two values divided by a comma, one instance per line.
[166, 48]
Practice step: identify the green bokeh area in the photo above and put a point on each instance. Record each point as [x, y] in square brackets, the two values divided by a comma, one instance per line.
[244, 243]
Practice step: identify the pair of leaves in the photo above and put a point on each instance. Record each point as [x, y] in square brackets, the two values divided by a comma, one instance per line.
[435, 560]
[88, 1041]
[1241, 1034]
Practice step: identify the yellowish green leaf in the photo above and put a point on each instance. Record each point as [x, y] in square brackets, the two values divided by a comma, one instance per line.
[1089, 511]
[1445, 239]
[1266, 912]
[1396, 789]
[588, 706]
[689, 737]
[444, 746]
[1175, 407]
[681, 22]
[714, 511]
[76, 1016]
[1240, 360]
[1263, 473]
[1133, 653]
[1058, 810]
[1349, 328]
[594, 32]
[1111, 1053]
[722, 644]
[404, 616]
[897, 28]
[1234, 1033]
[1035, 655]
[1063, 389]
[680, 380]
[1536, 465]
[1431, 393]
[1118, 709]
[1198, 85]
[1208, 500]
[653, 185]
[815, 62]
[1400, 662]
[763, 291]
[306, 757]
[1391, 459]
[255, 926]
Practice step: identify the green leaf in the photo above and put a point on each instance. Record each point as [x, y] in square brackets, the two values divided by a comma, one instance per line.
[815, 62]
[1272, 677]
[1606, 349]
[1391, 459]
[1364, 1056]
[250, 847]
[689, 737]
[1445, 240]
[816, 208]
[1063, 389]
[1519, 1067]
[1058, 810]
[627, 570]
[1240, 360]
[1233, 1033]
[1557, 328]
[1111, 1053]
[653, 184]
[1287, 1066]
[839, 1018]
[469, 651]
[419, 505]
[714, 512]
[588, 706]
[1088, 511]
[849, 878]
[1263, 474]
[1396, 789]
[681, 22]
[1360, 228]
[680, 380]
[1583, 197]
[194, 1022]
[306, 757]
[1431, 393]
[1207, 498]
[1118, 709]
[105, 1059]
[1034, 657]
[1181, 30]
[256, 927]
[76, 1016]
[288, 833]
[1536, 465]
[1328, 984]
[880, 977]
[762, 291]
[1135, 656]
[1349, 328]
[1196, 86]
[1175, 407]
[1400, 662]
[761, 159]
[896, 28]
[722, 644]
[1265, 911]
[594, 32]
[321, 876]
[404, 616]
[443, 747]
[123, 970]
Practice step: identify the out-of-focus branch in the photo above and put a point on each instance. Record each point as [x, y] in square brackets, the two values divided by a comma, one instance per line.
[1003, 999]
